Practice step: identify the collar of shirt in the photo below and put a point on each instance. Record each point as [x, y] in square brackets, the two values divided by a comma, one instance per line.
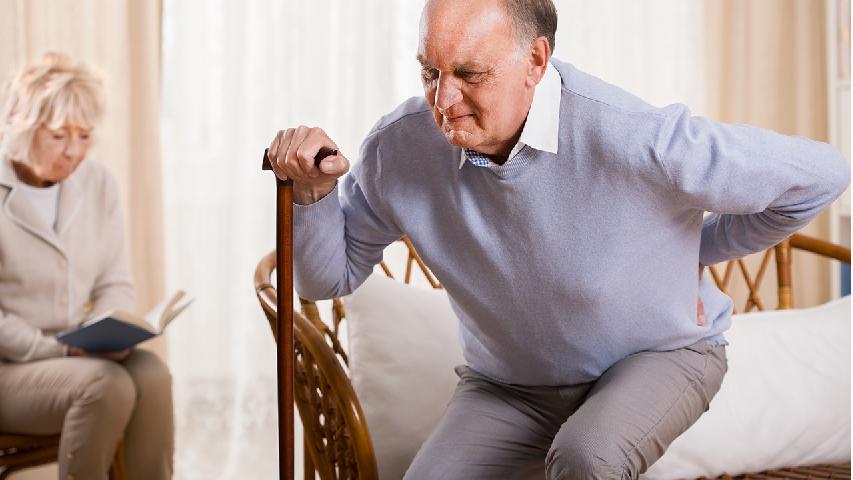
[541, 130]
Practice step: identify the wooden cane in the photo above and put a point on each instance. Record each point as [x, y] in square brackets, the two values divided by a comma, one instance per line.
[284, 314]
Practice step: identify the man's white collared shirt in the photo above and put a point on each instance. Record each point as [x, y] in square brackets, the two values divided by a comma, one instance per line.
[541, 130]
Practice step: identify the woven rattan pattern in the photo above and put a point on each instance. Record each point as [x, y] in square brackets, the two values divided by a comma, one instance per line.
[314, 395]
[336, 439]
[813, 472]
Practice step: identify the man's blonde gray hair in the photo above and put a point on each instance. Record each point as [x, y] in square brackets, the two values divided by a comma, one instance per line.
[532, 19]
[51, 92]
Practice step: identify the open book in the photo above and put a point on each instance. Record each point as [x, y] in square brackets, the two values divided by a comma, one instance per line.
[117, 330]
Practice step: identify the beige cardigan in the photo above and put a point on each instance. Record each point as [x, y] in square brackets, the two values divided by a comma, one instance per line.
[53, 279]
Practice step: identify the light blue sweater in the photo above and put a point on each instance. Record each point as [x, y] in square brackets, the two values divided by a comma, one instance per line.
[558, 266]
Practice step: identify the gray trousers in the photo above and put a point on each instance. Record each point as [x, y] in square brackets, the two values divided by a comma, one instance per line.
[614, 427]
[95, 402]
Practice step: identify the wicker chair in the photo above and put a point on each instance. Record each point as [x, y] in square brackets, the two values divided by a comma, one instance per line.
[19, 452]
[337, 441]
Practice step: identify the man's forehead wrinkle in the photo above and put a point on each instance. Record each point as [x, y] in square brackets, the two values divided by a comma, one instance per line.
[460, 39]
[462, 54]
[453, 22]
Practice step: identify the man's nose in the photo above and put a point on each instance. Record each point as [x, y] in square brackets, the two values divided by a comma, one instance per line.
[447, 93]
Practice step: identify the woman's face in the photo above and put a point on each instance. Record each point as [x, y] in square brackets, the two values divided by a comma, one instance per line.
[56, 153]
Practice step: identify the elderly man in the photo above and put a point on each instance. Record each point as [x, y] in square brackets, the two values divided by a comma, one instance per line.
[539, 189]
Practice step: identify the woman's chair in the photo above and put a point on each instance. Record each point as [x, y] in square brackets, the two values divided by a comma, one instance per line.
[337, 440]
[19, 452]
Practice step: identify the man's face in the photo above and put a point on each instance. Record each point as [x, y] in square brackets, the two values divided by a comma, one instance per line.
[474, 75]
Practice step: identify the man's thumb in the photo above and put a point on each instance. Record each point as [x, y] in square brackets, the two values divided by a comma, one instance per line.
[334, 165]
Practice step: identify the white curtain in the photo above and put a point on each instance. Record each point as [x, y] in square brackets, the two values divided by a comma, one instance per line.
[234, 73]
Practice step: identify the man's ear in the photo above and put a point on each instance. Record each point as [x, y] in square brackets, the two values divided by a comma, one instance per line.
[538, 57]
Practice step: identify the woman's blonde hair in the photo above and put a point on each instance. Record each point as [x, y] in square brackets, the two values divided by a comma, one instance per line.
[50, 92]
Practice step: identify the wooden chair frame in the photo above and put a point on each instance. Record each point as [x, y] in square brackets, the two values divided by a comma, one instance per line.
[19, 452]
[337, 440]
[784, 280]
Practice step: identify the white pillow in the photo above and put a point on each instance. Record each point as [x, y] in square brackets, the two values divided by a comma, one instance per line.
[785, 400]
[403, 345]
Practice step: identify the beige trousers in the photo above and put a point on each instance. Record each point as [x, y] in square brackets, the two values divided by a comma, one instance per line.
[94, 403]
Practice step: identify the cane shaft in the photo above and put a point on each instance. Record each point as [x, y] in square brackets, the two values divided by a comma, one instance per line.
[285, 353]
[284, 330]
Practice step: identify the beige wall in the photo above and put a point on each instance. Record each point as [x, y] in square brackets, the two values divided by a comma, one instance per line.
[767, 67]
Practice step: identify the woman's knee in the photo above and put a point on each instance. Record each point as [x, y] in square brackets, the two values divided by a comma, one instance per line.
[150, 374]
[108, 388]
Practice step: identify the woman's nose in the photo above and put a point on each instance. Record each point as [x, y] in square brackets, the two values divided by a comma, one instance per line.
[76, 147]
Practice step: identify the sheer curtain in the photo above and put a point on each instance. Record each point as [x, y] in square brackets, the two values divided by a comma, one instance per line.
[767, 62]
[235, 73]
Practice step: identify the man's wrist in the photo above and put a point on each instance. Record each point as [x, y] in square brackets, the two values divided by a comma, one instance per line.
[308, 194]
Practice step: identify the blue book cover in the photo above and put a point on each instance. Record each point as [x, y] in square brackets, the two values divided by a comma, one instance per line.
[106, 335]
[115, 331]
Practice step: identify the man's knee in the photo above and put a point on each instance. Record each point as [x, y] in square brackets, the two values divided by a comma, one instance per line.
[576, 460]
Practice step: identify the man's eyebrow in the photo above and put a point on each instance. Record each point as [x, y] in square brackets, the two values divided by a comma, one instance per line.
[422, 61]
[464, 66]
[470, 66]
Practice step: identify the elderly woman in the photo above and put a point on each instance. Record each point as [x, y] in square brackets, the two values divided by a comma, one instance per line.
[62, 260]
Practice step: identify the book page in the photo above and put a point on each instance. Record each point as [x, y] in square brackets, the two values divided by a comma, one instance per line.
[153, 317]
[178, 304]
[165, 311]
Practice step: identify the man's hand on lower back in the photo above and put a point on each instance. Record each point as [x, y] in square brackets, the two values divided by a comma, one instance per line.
[700, 308]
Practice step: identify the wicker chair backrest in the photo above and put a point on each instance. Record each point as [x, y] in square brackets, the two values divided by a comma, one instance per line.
[337, 441]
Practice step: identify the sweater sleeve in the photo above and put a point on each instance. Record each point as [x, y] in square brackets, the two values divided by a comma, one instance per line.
[113, 288]
[22, 342]
[760, 186]
[340, 238]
